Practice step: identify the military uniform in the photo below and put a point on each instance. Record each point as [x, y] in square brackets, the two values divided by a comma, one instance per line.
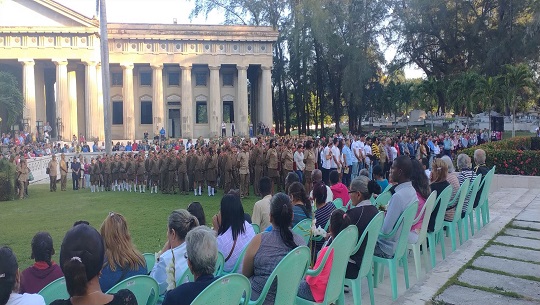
[183, 183]
[211, 173]
[171, 180]
[309, 161]
[243, 169]
[163, 172]
[272, 163]
[287, 159]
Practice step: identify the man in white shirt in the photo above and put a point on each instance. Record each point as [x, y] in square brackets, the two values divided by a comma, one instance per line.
[327, 160]
[316, 177]
[261, 209]
[358, 156]
[336, 156]
[367, 154]
[299, 161]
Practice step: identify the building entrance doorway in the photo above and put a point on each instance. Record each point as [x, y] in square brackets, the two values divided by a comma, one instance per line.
[174, 123]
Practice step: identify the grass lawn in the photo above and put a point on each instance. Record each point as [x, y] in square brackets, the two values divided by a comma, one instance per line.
[56, 212]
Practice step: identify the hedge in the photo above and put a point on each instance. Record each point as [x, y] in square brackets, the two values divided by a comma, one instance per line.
[7, 180]
[512, 156]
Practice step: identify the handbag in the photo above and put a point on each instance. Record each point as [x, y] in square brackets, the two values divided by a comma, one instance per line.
[30, 176]
[47, 171]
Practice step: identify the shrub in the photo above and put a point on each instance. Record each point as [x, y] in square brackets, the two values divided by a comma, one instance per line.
[512, 156]
[7, 180]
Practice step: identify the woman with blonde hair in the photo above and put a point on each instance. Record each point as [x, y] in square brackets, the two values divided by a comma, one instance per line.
[122, 259]
[439, 173]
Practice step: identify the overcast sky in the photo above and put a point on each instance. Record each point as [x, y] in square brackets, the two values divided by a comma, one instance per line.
[164, 11]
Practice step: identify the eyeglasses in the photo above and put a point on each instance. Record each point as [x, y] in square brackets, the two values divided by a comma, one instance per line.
[350, 192]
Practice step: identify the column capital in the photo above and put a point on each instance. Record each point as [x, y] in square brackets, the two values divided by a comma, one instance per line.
[90, 63]
[60, 62]
[27, 61]
[186, 67]
[214, 67]
[239, 67]
[156, 66]
[267, 68]
[127, 66]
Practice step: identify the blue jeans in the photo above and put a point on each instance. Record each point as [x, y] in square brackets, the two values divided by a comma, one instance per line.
[354, 170]
[300, 175]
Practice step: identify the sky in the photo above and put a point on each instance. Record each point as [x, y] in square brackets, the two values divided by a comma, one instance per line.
[164, 11]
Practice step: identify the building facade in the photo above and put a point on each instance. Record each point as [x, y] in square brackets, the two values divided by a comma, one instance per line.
[188, 79]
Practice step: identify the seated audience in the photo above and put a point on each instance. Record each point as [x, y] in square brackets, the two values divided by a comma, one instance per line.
[122, 259]
[81, 257]
[44, 271]
[439, 171]
[261, 209]
[10, 281]
[201, 250]
[313, 288]
[481, 168]
[451, 177]
[196, 209]
[179, 224]
[378, 176]
[233, 232]
[301, 203]
[323, 211]
[291, 178]
[360, 214]
[316, 177]
[404, 195]
[420, 183]
[268, 248]
[465, 172]
[339, 190]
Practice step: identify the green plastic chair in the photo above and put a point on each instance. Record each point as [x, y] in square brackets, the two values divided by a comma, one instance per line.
[451, 225]
[238, 262]
[303, 228]
[227, 290]
[342, 247]
[288, 274]
[256, 228]
[473, 190]
[438, 233]
[144, 287]
[482, 210]
[54, 291]
[366, 267]
[338, 203]
[403, 226]
[421, 241]
[187, 276]
[382, 199]
[150, 259]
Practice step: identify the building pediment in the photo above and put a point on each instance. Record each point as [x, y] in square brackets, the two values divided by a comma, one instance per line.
[28, 14]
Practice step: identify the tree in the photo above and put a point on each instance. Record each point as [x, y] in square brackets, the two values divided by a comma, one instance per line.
[488, 90]
[11, 100]
[518, 80]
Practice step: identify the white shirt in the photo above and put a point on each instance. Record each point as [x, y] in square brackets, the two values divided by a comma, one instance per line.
[299, 160]
[428, 173]
[329, 195]
[326, 163]
[159, 272]
[367, 151]
[394, 153]
[225, 243]
[336, 155]
[25, 299]
[223, 126]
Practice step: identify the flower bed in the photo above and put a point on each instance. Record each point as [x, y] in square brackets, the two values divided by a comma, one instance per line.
[512, 156]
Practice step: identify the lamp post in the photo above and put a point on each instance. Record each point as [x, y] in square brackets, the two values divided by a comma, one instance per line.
[430, 114]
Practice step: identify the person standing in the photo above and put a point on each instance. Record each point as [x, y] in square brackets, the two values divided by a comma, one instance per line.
[53, 172]
[243, 168]
[232, 129]
[299, 161]
[309, 162]
[272, 164]
[140, 170]
[182, 171]
[258, 168]
[211, 171]
[75, 173]
[22, 177]
[287, 161]
[63, 172]
[171, 179]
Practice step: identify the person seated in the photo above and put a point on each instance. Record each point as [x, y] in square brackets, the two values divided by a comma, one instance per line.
[196, 209]
[122, 259]
[378, 176]
[10, 281]
[339, 190]
[420, 183]
[313, 288]
[261, 209]
[268, 248]
[233, 232]
[201, 250]
[179, 224]
[323, 211]
[451, 177]
[360, 214]
[301, 204]
[464, 165]
[81, 257]
[290, 179]
[439, 171]
[425, 164]
[44, 271]
[316, 177]
[481, 168]
[404, 195]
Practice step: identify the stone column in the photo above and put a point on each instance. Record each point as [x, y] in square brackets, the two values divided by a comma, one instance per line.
[157, 97]
[29, 92]
[72, 89]
[215, 115]
[242, 124]
[99, 119]
[265, 101]
[129, 103]
[90, 100]
[62, 99]
[187, 103]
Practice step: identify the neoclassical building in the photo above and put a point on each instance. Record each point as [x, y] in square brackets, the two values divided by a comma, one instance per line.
[185, 78]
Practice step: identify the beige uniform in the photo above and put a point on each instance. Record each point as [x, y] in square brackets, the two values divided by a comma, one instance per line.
[243, 168]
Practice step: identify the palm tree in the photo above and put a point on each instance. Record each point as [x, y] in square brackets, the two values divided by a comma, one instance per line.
[11, 99]
[488, 92]
[517, 79]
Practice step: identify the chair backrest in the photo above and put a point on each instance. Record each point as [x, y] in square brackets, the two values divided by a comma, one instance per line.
[227, 290]
[428, 208]
[443, 199]
[150, 259]
[342, 247]
[219, 264]
[303, 228]
[372, 234]
[460, 197]
[382, 199]
[256, 228]
[338, 203]
[475, 186]
[54, 291]
[145, 289]
[485, 185]
[405, 221]
[288, 273]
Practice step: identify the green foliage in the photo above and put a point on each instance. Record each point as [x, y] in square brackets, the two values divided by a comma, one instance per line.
[7, 180]
[11, 100]
[511, 157]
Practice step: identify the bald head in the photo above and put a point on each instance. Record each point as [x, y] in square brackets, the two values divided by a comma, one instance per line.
[316, 175]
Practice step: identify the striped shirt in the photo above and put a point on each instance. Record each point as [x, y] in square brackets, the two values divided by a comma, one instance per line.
[466, 174]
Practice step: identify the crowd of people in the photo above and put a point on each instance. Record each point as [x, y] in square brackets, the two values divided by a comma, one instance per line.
[93, 261]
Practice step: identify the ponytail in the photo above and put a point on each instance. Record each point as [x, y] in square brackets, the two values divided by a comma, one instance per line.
[339, 220]
[373, 188]
[75, 275]
[282, 213]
